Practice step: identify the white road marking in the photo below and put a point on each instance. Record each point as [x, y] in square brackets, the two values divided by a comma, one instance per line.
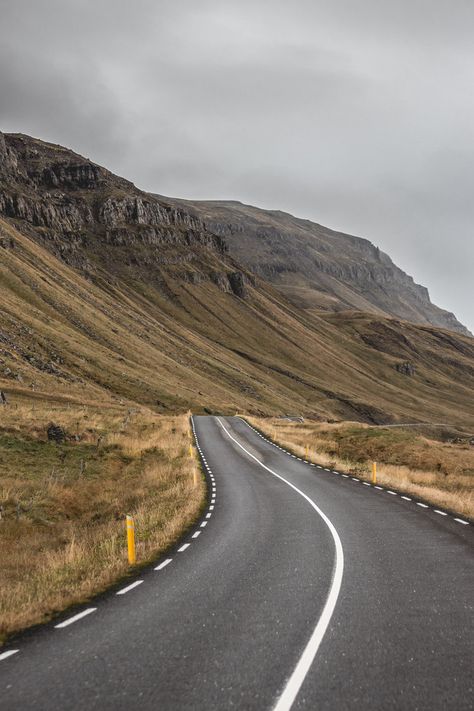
[311, 464]
[407, 498]
[366, 483]
[354, 478]
[424, 506]
[195, 535]
[164, 564]
[346, 476]
[459, 520]
[380, 488]
[441, 513]
[208, 515]
[394, 493]
[204, 523]
[79, 616]
[183, 548]
[297, 678]
[211, 508]
[10, 653]
[129, 587]
[319, 466]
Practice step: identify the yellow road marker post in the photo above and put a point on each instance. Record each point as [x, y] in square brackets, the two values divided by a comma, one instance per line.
[374, 472]
[191, 453]
[131, 540]
[195, 476]
[306, 452]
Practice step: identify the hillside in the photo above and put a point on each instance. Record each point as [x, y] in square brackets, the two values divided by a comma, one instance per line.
[115, 294]
[318, 268]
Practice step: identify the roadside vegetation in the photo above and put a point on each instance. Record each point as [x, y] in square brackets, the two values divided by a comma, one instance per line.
[428, 464]
[62, 531]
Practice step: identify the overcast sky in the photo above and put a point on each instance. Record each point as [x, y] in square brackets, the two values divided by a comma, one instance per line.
[358, 114]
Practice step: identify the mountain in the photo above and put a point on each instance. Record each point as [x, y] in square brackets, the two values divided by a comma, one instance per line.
[110, 292]
[317, 268]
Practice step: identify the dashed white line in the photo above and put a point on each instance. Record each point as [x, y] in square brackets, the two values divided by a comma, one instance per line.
[441, 513]
[394, 493]
[407, 498]
[163, 564]
[129, 587]
[74, 618]
[204, 523]
[459, 520]
[208, 515]
[423, 506]
[354, 478]
[346, 476]
[366, 483]
[183, 548]
[380, 488]
[211, 508]
[10, 653]
[196, 534]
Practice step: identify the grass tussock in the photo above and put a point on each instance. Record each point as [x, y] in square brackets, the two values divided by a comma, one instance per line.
[441, 473]
[62, 530]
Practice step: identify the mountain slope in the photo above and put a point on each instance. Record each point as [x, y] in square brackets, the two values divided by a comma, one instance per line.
[110, 291]
[318, 268]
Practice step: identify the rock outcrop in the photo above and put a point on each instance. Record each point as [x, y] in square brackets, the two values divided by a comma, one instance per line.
[318, 268]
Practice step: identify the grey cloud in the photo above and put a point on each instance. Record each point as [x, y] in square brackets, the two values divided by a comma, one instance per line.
[359, 115]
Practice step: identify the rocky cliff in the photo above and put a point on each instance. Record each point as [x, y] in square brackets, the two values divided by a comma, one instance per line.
[96, 221]
[318, 268]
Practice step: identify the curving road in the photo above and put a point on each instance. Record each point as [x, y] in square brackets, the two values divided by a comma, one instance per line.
[299, 588]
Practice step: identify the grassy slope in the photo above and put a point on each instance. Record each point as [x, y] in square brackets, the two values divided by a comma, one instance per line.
[200, 347]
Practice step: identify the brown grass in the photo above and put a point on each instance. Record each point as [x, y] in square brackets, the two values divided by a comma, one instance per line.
[438, 472]
[62, 530]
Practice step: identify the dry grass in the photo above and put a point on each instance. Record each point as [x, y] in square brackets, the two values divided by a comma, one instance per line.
[438, 472]
[62, 530]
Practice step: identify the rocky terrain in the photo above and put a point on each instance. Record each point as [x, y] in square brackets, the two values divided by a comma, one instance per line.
[318, 268]
[114, 294]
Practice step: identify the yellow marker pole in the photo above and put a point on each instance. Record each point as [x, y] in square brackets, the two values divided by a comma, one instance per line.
[374, 472]
[306, 452]
[191, 453]
[131, 540]
[195, 477]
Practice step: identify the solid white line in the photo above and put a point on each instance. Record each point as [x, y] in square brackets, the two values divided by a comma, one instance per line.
[424, 506]
[459, 520]
[163, 564]
[5, 655]
[295, 681]
[75, 618]
[407, 498]
[441, 513]
[183, 548]
[195, 535]
[129, 587]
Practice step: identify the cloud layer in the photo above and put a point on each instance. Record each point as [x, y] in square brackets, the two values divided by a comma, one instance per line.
[356, 115]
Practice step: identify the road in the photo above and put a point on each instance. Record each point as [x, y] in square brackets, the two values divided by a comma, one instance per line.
[300, 588]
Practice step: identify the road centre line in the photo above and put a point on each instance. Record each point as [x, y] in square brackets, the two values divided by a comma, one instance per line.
[297, 678]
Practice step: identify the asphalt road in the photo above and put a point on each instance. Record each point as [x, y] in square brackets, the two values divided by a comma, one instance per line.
[302, 589]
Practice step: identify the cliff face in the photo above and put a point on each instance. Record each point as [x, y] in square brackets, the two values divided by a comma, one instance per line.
[318, 268]
[96, 221]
